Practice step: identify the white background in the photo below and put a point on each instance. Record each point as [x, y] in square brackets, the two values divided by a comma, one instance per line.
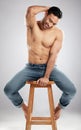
[13, 50]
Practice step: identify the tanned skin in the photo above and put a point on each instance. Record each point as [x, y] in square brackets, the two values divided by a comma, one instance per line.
[44, 41]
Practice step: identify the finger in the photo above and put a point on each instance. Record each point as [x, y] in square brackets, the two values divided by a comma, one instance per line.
[41, 83]
[38, 81]
[45, 84]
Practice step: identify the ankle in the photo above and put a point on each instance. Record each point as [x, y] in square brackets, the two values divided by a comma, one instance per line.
[23, 105]
[59, 107]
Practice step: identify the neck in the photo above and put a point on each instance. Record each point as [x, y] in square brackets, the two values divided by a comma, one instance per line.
[40, 23]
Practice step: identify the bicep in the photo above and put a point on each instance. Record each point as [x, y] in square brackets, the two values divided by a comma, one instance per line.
[30, 18]
[56, 47]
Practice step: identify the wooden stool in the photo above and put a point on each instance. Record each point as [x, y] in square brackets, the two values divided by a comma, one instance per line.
[40, 120]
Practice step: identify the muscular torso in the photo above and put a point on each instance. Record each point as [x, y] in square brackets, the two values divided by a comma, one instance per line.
[39, 44]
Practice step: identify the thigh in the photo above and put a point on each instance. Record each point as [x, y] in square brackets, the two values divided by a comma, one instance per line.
[19, 80]
[61, 80]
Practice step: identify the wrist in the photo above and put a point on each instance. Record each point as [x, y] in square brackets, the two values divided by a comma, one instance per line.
[47, 8]
[46, 76]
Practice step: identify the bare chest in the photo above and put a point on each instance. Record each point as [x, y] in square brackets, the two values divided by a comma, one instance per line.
[44, 38]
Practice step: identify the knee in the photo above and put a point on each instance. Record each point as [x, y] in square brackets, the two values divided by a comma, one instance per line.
[7, 89]
[73, 89]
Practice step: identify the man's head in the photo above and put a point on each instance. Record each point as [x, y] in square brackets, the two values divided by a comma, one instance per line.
[56, 11]
[52, 17]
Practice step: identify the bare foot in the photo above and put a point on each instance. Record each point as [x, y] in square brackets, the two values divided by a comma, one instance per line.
[57, 112]
[25, 109]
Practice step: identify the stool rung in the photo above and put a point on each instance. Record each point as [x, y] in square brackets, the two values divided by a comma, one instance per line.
[46, 122]
[41, 118]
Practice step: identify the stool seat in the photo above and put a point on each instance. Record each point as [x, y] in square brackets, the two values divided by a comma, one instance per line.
[37, 85]
[40, 120]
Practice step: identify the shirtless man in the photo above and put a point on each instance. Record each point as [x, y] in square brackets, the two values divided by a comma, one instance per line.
[44, 41]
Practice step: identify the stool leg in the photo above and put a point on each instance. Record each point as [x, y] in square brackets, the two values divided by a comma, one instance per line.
[30, 107]
[51, 103]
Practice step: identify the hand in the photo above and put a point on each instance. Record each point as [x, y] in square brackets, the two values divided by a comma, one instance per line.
[43, 81]
[47, 7]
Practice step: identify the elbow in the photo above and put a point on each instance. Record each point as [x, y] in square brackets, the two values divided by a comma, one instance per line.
[53, 60]
[30, 9]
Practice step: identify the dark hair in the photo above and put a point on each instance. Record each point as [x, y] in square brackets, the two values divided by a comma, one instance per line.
[56, 11]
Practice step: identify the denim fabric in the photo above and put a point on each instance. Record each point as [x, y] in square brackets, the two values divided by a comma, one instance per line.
[33, 72]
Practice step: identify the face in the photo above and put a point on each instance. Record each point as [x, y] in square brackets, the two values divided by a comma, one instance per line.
[49, 21]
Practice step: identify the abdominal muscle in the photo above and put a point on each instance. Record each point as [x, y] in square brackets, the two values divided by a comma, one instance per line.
[38, 56]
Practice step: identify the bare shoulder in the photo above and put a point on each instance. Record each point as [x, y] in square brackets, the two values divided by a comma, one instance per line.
[57, 44]
[59, 32]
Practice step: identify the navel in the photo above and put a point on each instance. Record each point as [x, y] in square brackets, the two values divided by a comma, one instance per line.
[40, 58]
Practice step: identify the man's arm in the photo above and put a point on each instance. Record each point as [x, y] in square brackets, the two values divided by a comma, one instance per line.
[31, 12]
[53, 54]
[52, 58]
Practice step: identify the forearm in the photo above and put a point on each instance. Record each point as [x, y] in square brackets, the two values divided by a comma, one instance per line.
[50, 65]
[37, 9]
[53, 55]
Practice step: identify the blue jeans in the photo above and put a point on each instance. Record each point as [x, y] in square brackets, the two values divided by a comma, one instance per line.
[34, 72]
